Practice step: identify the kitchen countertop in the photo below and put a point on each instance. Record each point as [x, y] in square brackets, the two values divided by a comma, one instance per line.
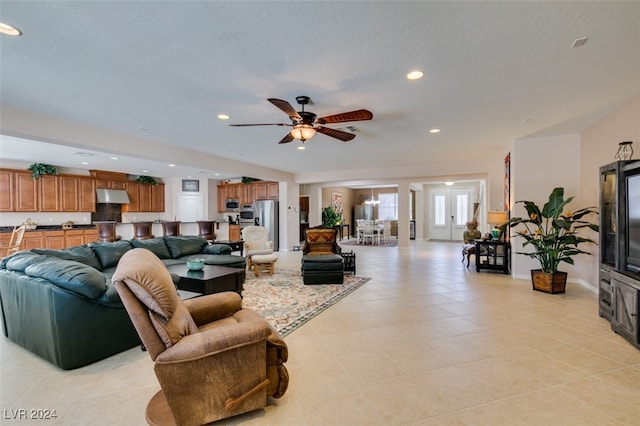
[8, 229]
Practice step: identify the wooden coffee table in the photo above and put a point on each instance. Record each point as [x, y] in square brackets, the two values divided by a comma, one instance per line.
[211, 279]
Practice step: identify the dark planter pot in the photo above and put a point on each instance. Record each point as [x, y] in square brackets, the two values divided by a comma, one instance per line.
[548, 282]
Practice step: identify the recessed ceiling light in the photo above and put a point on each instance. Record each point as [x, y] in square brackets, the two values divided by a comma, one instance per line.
[84, 162]
[172, 165]
[216, 174]
[302, 148]
[449, 183]
[145, 171]
[415, 75]
[9, 30]
[142, 129]
[434, 131]
[113, 158]
[223, 116]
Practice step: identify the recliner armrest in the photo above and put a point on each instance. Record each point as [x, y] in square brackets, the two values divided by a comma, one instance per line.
[213, 307]
[215, 340]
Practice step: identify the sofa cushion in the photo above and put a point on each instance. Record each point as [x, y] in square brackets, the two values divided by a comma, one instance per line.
[110, 253]
[19, 261]
[217, 249]
[70, 275]
[185, 245]
[157, 246]
[82, 254]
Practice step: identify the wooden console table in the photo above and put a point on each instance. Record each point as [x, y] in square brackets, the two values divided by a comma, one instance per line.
[493, 255]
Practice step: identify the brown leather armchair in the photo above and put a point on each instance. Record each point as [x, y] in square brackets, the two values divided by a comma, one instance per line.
[213, 359]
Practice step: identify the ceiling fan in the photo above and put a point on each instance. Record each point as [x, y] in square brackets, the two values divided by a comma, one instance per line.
[305, 124]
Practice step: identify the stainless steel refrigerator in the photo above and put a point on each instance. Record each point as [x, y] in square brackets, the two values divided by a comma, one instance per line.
[363, 212]
[266, 213]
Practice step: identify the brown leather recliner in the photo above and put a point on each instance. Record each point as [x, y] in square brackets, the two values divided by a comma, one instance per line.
[213, 359]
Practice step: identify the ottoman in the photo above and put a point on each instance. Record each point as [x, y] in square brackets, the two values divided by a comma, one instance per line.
[263, 263]
[322, 269]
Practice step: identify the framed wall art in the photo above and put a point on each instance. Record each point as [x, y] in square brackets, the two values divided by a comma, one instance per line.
[336, 202]
[190, 185]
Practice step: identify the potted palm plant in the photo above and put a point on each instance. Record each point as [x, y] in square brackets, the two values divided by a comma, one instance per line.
[552, 234]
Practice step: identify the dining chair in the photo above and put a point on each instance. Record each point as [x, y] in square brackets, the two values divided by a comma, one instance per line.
[14, 242]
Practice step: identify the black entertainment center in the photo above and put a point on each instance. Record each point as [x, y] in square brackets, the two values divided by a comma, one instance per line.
[619, 288]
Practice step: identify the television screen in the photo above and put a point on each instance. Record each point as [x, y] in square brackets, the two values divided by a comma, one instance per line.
[633, 223]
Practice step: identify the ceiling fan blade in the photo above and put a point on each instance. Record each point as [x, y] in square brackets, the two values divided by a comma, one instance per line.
[263, 124]
[288, 138]
[357, 115]
[338, 134]
[286, 108]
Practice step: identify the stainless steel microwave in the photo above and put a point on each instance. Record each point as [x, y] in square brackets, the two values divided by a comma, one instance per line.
[231, 205]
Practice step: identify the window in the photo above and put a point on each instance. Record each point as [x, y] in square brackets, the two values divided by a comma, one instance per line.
[439, 210]
[462, 209]
[388, 207]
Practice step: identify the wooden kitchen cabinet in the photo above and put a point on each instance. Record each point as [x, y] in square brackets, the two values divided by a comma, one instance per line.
[133, 191]
[222, 195]
[157, 198]
[261, 191]
[234, 232]
[267, 191]
[33, 239]
[69, 194]
[273, 190]
[247, 195]
[26, 192]
[144, 197]
[73, 237]
[48, 193]
[90, 235]
[111, 184]
[233, 191]
[54, 240]
[6, 189]
[86, 195]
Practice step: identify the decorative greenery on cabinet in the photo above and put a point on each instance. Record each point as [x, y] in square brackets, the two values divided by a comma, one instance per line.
[40, 169]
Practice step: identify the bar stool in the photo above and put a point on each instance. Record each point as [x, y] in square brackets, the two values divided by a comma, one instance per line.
[171, 228]
[142, 230]
[205, 229]
[107, 231]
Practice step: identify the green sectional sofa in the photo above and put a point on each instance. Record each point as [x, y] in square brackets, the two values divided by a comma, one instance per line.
[62, 306]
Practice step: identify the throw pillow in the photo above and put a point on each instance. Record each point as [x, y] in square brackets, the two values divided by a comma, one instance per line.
[110, 253]
[156, 245]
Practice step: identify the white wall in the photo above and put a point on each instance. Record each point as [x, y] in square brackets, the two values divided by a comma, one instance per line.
[599, 146]
[537, 166]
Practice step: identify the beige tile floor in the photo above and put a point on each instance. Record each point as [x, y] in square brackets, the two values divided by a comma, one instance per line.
[425, 342]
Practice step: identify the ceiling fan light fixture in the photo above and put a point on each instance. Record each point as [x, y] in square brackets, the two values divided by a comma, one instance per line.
[415, 75]
[303, 132]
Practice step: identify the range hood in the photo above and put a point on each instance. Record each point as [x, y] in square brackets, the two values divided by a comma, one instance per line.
[112, 196]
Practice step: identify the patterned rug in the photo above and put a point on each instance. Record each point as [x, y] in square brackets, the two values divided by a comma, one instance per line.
[287, 303]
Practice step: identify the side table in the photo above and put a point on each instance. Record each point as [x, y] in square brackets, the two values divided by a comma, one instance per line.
[349, 261]
[493, 255]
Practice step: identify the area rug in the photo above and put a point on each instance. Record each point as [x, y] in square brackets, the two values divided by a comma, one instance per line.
[286, 303]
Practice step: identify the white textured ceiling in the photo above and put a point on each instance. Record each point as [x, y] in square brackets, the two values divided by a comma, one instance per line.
[495, 72]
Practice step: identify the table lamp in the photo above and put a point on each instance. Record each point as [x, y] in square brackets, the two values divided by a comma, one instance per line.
[496, 218]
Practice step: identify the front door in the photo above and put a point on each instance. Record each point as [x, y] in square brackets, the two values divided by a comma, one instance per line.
[450, 210]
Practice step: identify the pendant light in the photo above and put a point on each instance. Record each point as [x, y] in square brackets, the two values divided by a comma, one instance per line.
[371, 200]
